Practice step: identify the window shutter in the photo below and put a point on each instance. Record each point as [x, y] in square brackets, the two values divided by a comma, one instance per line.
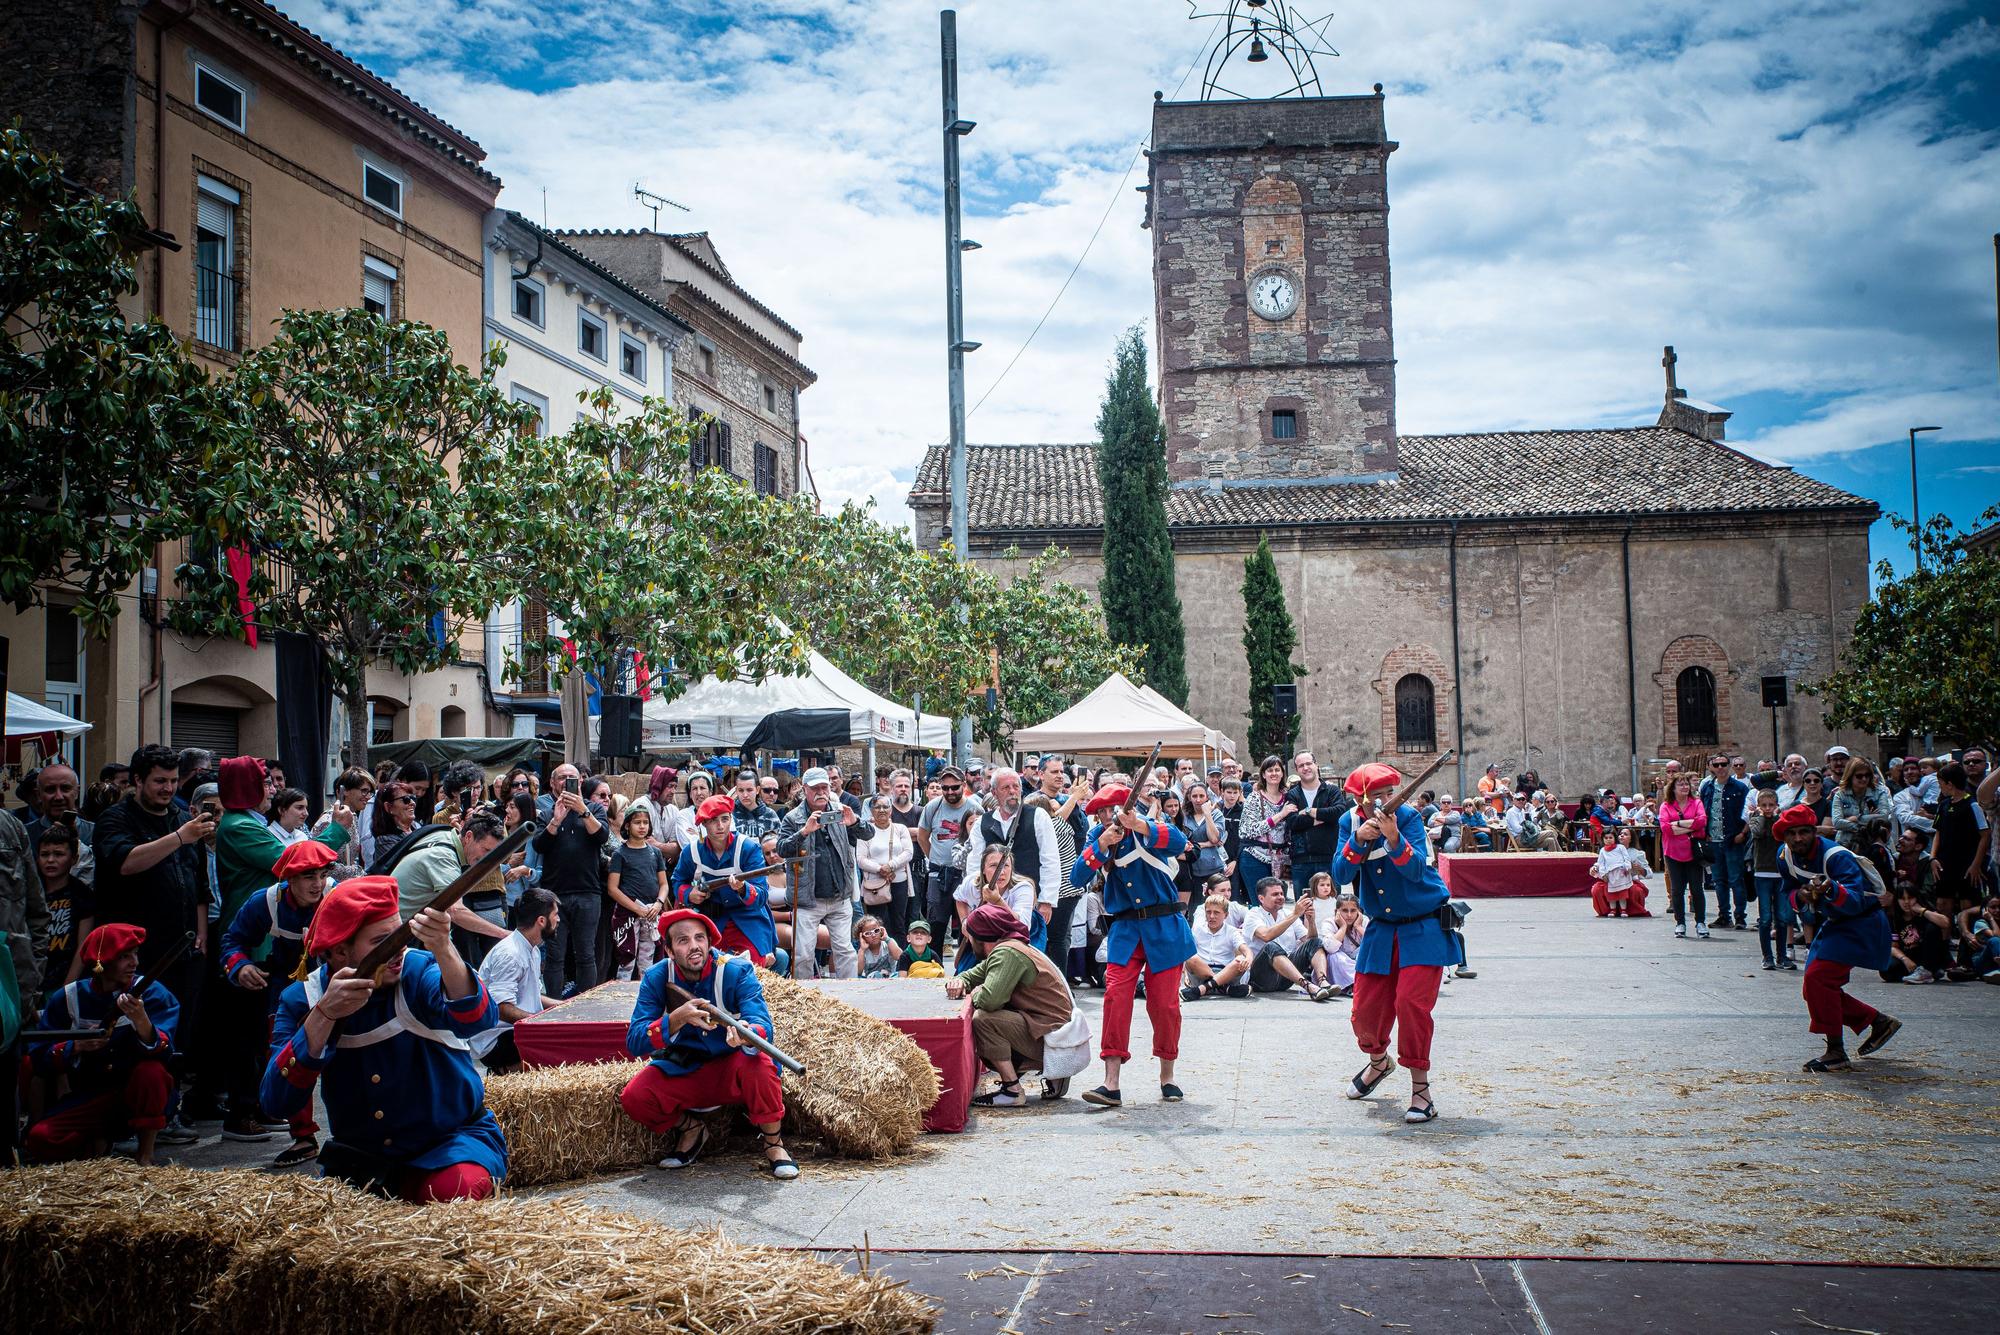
[722, 448]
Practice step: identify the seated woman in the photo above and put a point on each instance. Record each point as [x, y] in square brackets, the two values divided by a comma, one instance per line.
[997, 884]
[1920, 941]
[1619, 887]
[1340, 931]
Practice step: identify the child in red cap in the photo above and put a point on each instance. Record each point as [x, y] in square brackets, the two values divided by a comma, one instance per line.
[118, 1082]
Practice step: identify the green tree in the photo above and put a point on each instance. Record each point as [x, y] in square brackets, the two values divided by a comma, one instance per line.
[1925, 654]
[1141, 605]
[1268, 643]
[630, 550]
[106, 428]
[1052, 645]
[365, 534]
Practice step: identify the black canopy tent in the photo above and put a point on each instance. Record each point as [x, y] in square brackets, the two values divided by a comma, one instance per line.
[800, 730]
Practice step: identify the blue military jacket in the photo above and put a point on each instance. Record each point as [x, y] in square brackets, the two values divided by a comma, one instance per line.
[398, 1077]
[1852, 928]
[1139, 874]
[690, 1048]
[1400, 894]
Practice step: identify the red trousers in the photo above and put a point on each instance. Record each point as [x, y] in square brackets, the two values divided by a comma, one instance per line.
[456, 1182]
[747, 1080]
[1163, 1007]
[733, 942]
[1829, 1005]
[69, 1133]
[1401, 998]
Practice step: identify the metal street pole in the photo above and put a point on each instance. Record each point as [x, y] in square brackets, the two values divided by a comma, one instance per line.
[1916, 515]
[954, 293]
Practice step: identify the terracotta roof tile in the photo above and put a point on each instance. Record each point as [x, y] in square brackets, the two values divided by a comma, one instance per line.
[1654, 471]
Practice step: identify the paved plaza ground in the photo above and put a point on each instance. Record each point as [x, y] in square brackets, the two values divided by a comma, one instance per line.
[1606, 1091]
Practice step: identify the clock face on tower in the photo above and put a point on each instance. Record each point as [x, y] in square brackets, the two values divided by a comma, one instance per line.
[1274, 294]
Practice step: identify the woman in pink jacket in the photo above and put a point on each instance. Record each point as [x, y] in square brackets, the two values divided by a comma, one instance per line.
[1683, 819]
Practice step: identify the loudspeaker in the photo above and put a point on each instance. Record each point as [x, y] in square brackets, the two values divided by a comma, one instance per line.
[1285, 699]
[1777, 692]
[618, 731]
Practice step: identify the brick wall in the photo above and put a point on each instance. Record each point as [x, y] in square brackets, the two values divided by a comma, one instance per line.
[1239, 188]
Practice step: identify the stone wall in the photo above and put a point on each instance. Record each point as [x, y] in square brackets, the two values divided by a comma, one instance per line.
[1297, 186]
[67, 69]
[1542, 676]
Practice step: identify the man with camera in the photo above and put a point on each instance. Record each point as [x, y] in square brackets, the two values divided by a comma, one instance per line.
[572, 869]
[824, 831]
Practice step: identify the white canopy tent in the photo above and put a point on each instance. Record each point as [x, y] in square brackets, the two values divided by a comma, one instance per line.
[721, 714]
[25, 718]
[1120, 719]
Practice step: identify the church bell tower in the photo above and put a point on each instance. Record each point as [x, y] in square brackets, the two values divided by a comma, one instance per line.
[1270, 222]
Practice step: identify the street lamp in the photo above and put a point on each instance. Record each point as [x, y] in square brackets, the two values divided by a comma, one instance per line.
[1916, 515]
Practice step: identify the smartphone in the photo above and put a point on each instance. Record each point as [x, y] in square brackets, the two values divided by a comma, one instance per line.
[464, 800]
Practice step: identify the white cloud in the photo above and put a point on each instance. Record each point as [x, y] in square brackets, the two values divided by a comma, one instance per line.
[1775, 193]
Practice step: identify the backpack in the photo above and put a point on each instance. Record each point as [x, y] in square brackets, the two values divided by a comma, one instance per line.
[385, 862]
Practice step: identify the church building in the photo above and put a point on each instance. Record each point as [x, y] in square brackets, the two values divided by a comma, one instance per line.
[1584, 603]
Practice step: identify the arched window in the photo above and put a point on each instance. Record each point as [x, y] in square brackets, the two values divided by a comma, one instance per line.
[1694, 694]
[1416, 714]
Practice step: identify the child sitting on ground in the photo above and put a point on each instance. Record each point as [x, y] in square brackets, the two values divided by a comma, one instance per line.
[1340, 929]
[1220, 964]
[879, 955]
[918, 960]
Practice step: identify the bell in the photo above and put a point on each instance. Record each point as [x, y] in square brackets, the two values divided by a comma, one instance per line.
[1257, 56]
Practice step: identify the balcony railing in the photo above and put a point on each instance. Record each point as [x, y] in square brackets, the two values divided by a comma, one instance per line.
[215, 308]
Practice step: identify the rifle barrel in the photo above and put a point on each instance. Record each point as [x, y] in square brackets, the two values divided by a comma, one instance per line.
[397, 940]
[743, 1030]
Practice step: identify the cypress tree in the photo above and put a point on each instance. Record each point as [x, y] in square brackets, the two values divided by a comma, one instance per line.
[1268, 642]
[1140, 602]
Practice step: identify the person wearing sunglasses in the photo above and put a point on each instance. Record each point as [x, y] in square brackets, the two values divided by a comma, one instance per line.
[940, 831]
[1727, 835]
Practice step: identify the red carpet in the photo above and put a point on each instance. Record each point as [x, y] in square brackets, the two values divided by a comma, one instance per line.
[1516, 875]
[590, 1027]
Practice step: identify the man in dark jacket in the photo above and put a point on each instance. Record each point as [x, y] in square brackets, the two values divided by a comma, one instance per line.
[825, 832]
[570, 845]
[1724, 797]
[1314, 822]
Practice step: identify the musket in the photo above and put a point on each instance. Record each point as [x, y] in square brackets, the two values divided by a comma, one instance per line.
[749, 873]
[1414, 786]
[1139, 780]
[393, 945]
[716, 1010]
[140, 982]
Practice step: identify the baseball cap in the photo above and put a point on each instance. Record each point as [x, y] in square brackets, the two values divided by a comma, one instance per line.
[814, 777]
[975, 767]
[950, 772]
[1838, 750]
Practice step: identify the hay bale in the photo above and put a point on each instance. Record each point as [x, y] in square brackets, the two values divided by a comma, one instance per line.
[864, 1094]
[564, 1122]
[867, 1084]
[105, 1244]
[514, 1268]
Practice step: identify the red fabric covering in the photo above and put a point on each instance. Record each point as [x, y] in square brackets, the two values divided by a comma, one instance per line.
[1106, 798]
[238, 561]
[746, 1080]
[305, 855]
[69, 1133]
[1367, 778]
[455, 1182]
[1634, 902]
[1402, 998]
[349, 907]
[672, 916]
[240, 784]
[1516, 875]
[1826, 1001]
[112, 940]
[1163, 1008]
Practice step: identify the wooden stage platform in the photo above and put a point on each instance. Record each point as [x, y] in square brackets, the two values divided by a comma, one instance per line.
[1516, 875]
[590, 1027]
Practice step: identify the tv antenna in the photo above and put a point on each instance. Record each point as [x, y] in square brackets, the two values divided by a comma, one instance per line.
[648, 199]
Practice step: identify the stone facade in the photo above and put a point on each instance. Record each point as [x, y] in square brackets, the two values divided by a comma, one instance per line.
[1296, 189]
[741, 367]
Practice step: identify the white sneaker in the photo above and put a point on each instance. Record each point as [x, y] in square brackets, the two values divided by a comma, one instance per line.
[178, 1132]
[1701, 930]
[1917, 978]
[1680, 929]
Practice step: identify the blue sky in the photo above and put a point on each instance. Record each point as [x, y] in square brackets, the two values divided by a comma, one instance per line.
[1799, 195]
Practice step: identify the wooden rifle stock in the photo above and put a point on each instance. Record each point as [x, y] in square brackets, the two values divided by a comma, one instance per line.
[750, 1036]
[400, 939]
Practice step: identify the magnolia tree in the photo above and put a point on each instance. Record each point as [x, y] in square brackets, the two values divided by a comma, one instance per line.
[634, 553]
[109, 431]
[358, 492]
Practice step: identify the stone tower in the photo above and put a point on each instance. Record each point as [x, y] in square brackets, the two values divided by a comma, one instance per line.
[1270, 225]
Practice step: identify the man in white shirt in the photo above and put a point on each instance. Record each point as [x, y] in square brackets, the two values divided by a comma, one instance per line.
[1525, 828]
[1794, 782]
[512, 972]
[1221, 955]
[1034, 847]
[1281, 941]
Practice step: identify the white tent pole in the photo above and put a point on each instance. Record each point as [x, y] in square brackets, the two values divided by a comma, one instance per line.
[868, 784]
